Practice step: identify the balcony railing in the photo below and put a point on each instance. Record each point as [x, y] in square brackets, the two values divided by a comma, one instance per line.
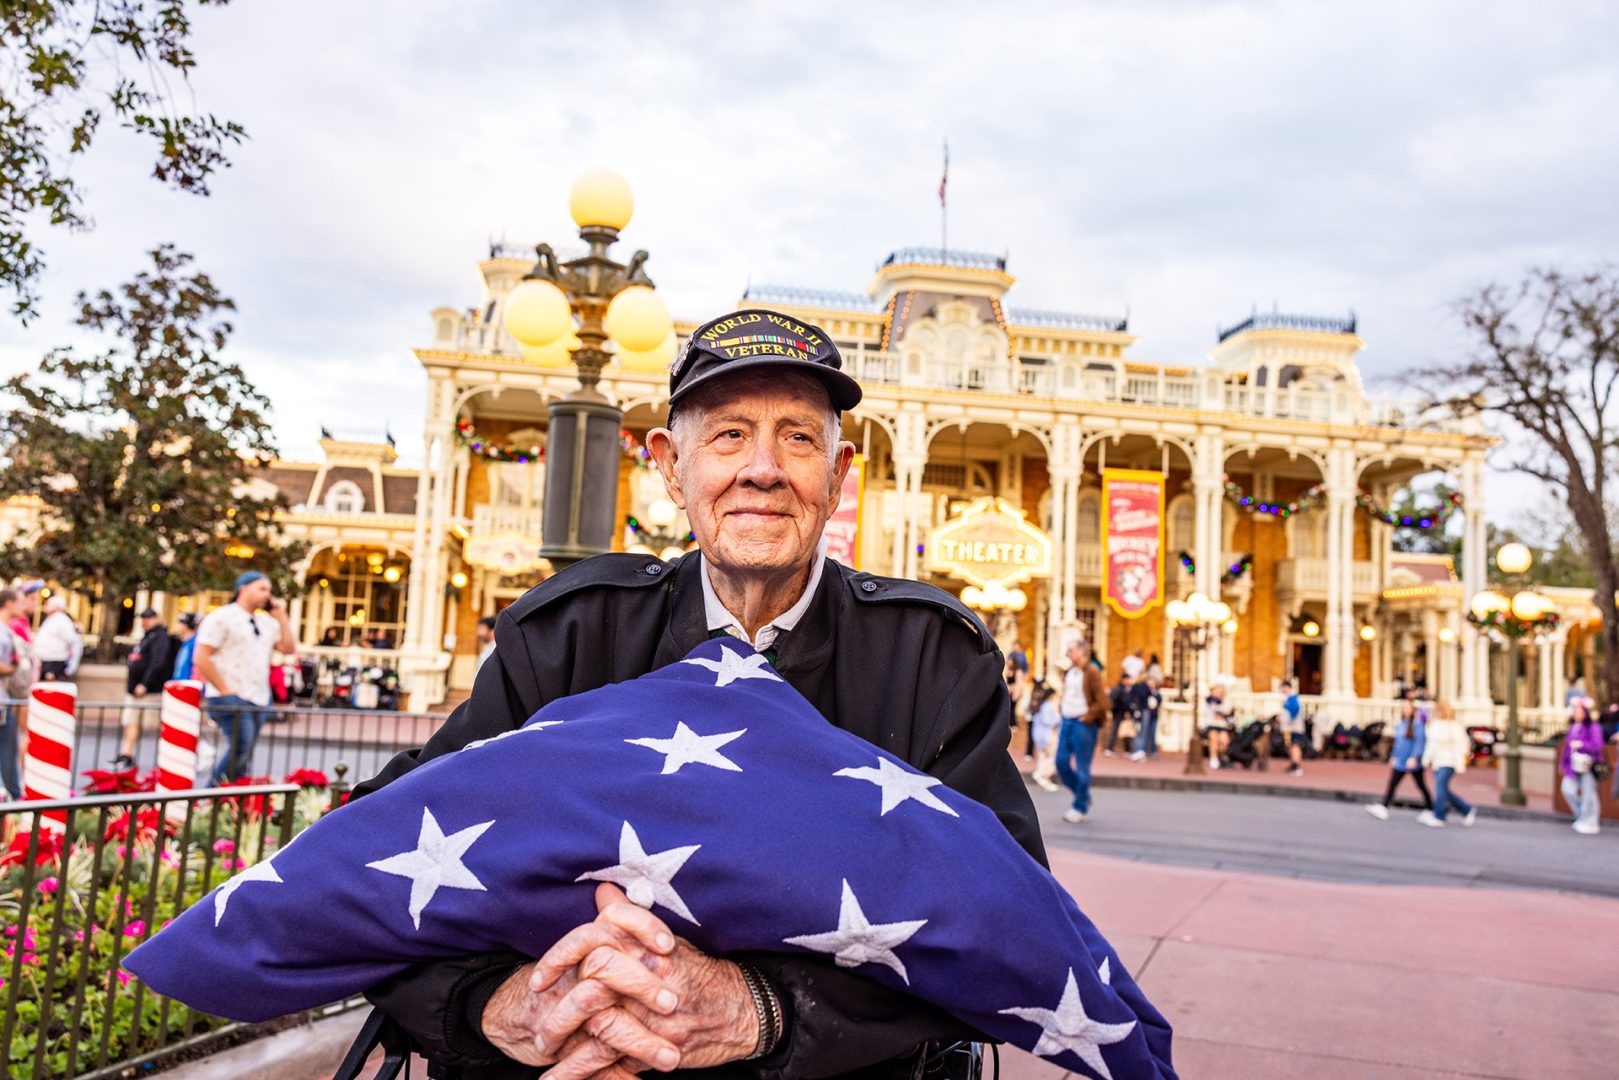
[504, 538]
[1309, 577]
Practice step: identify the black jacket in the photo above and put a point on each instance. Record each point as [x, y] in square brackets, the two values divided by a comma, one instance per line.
[899, 663]
[151, 662]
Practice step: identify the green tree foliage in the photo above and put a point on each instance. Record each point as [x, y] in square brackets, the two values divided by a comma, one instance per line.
[142, 456]
[65, 67]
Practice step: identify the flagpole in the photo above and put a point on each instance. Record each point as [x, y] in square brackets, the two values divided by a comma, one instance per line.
[944, 206]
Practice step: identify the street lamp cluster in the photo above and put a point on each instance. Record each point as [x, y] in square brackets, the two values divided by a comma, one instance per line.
[580, 305]
[1524, 614]
[994, 597]
[1198, 621]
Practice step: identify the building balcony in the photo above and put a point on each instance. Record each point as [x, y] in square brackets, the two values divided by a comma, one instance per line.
[1306, 579]
[504, 538]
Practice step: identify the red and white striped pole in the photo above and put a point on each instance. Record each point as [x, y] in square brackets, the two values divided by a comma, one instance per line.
[177, 746]
[48, 770]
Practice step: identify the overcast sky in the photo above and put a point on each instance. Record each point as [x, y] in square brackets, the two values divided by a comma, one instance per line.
[1186, 161]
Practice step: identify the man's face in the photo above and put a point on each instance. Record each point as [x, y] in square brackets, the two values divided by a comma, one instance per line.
[28, 604]
[148, 623]
[485, 635]
[756, 476]
[1077, 655]
[256, 594]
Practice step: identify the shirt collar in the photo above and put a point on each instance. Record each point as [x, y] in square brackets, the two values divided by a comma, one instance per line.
[720, 618]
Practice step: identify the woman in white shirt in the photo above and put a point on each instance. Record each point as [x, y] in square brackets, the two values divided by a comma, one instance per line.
[1446, 752]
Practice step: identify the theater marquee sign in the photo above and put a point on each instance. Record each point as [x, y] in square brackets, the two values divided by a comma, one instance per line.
[990, 543]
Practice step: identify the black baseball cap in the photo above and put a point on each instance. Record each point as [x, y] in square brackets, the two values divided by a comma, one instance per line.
[759, 338]
[149, 613]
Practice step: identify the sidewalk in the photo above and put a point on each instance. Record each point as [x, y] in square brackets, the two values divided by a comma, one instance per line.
[1354, 780]
[1266, 977]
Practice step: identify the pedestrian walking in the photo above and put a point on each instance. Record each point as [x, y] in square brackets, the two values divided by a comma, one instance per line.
[1122, 702]
[185, 633]
[21, 622]
[232, 656]
[1044, 722]
[1581, 763]
[1148, 699]
[486, 640]
[16, 679]
[1446, 751]
[150, 662]
[1291, 723]
[1410, 738]
[57, 645]
[1083, 708]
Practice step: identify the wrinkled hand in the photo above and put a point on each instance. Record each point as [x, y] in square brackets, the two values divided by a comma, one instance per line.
[620, 995]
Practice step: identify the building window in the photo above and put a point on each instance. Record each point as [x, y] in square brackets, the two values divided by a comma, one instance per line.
[351, 599]
[1182, 525]
[1089, 529]
[345, 497]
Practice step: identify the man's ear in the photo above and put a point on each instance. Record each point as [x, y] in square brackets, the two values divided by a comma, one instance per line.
[841, 458]
[660, 443]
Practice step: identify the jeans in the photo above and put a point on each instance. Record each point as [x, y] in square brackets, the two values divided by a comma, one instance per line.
[8, 753]
[1148, 743]
[1581, 793]
[1444, 798]
[239, 721]
[1076, 746]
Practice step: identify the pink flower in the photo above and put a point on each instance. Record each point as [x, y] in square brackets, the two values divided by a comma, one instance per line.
[123, 977]
[224, 847]
[78, 935]
[48, 885]
[29, 958]
[135, 929]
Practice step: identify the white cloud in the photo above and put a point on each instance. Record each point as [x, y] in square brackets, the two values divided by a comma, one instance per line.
[1189, 160]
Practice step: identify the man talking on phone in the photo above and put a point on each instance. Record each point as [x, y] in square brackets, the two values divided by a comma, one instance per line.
[232, 658]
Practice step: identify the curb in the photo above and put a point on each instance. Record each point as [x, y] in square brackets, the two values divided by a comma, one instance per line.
[1286, 791]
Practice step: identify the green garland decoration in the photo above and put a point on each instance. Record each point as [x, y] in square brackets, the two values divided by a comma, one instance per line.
[1311, 498]
[468, 436]
[1232, 573]
[1422, 521]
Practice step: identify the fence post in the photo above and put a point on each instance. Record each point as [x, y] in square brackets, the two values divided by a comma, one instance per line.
[48, 772]
[177, 749]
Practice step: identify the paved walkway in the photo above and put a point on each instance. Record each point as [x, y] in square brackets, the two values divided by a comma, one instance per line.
[1271, 977]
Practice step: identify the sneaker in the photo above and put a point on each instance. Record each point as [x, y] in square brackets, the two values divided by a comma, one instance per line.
[1587, 828]
[1214, 763]
[1139, 755]
[1108, 753]
[1294, 770]
[1472, 816]
[1045, 785]
[1430, 819]
[1378, 811]
[123, 761]
[1073, 816]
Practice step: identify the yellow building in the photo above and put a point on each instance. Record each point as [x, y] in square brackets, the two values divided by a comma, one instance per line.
[967, 396]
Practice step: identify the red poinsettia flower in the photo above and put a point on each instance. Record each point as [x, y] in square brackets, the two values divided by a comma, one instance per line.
[251, 805]
[16, 853]
[307, 778]
[146, 823]
[112, 781]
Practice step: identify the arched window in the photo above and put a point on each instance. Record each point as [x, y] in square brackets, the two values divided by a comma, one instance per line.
[1089, 530]
[1306, 535]
[345, 497]
[1182, 525]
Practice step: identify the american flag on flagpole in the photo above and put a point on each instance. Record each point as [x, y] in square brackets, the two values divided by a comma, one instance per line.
[713, 794]
[944, 179]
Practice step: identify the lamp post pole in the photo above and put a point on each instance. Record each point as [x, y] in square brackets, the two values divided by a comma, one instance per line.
[1199, 619]
[1525, 613]
[1512, 783]
[597, 298]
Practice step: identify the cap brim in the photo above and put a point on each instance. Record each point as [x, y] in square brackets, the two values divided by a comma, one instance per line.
[843, 390]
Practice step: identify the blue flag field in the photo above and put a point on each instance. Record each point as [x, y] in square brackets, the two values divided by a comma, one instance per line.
[713, 794]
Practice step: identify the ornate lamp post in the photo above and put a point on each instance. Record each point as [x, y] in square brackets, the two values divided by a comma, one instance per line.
[596, 298]
[1198, 622]
[1526, 613]
[657, 531]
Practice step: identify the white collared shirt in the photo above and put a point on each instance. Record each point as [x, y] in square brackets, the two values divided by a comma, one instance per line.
[720, 617]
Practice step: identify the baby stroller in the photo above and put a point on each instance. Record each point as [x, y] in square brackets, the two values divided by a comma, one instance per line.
[1245, 745]
[1482, 750]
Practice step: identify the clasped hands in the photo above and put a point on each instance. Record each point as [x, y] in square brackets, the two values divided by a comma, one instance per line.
[621, 995]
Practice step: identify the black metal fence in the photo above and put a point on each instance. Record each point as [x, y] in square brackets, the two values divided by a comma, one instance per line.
[74, 903]
[290, 739]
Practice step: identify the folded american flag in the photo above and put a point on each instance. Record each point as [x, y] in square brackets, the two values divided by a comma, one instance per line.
[713, 794]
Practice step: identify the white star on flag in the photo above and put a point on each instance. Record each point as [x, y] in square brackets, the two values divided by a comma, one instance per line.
[434, 864]
[1068, 1028]
[733, 666]
[645, 878]
[899, 784]
[525, 729]
[858, 940]
[686, 747]
[259, 871]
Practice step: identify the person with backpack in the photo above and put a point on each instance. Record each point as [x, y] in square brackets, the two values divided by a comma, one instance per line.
[1122, 700]
[16, 679]
[1410, 740]
[1581, 760]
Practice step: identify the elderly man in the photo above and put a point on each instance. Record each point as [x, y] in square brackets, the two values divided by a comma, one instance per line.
[753, 454]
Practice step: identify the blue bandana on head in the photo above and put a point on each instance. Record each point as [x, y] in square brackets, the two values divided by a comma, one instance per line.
[711, 792]
[244, 579]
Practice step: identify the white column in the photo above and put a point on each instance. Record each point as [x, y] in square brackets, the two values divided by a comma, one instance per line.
[1064, 469]
[1430, 649]
[1208, 486]
[1475, 649]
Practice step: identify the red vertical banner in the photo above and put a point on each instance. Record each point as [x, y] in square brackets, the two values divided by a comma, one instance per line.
[1132, 540]
[843, 527]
